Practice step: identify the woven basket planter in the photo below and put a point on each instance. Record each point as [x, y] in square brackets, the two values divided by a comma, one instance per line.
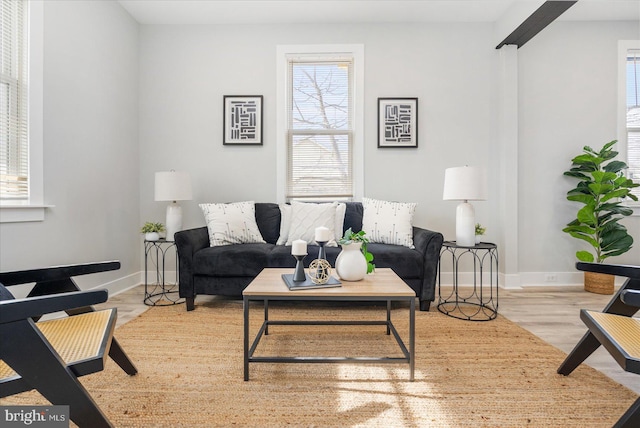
[599, 283]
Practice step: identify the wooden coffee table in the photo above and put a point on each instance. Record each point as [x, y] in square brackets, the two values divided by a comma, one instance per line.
[383, 285]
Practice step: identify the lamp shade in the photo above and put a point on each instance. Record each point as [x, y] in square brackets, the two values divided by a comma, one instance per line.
[173, 186]
[465, 183]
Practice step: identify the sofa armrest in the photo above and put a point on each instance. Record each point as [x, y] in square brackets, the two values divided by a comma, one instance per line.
[188, 243]
[429, 244]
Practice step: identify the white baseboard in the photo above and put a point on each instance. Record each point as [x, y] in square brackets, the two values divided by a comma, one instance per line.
[120, 285]
[523, 279]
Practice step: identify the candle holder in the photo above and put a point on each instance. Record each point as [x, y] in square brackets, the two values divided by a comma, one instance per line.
[322, 254]
[298, 273]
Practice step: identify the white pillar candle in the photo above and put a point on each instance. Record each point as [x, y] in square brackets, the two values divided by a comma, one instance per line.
[322, 234]
[299, 247]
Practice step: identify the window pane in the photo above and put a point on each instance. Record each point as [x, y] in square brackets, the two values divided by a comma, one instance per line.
[320, 165]
[320, 96]
[633, 117]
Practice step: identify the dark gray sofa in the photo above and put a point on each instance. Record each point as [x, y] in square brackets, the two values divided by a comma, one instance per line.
[227, 270]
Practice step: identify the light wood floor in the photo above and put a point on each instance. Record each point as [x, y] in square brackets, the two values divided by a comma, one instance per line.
[551, 313]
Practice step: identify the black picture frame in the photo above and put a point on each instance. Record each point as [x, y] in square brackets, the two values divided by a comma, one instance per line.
[242, 120]
[397, 122]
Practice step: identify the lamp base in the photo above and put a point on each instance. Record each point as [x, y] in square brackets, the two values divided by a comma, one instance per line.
[174, 220]
[465, 225]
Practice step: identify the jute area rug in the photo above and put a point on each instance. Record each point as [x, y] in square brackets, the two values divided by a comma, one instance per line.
[490, 374]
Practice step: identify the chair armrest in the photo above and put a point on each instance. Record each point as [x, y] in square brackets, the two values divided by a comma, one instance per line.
[631, 297]
[55, 273]
[627, 271]
[429, 244]
[188, 242]
[19, 309]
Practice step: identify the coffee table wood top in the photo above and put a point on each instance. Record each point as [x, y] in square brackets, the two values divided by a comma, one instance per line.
[383, 282]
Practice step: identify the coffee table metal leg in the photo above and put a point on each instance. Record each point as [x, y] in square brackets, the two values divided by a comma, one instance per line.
[266, 317]
[388, 317]
[412, 336]
[246, 338]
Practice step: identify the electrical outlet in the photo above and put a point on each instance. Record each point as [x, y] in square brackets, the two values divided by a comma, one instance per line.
[551, 277]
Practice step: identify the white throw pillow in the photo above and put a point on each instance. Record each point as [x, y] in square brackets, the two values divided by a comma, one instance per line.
[233, 223]
[305, 217]
[341, 210]
[285, 222]
[388, 222]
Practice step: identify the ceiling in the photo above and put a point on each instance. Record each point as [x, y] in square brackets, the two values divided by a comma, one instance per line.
[360, 11]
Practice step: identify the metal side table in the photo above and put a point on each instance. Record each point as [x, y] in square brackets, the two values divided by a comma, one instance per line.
[479, 300]
[160, 292]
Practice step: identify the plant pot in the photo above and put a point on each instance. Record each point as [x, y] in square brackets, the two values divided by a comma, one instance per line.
[599, 283]
[151, 236]
[351, 264]
[478, 239]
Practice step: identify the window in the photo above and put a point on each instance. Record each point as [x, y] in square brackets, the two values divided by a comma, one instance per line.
[320, 118]
[632, 115]
[22, 167]
[14, 148]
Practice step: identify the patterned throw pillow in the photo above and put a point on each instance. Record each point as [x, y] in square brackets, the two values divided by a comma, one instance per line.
[388, 222]
[305, 217]
[285, 221]
[232, 223]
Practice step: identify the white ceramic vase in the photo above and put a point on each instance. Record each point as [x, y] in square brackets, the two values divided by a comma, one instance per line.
[152, 236]
[351, 264]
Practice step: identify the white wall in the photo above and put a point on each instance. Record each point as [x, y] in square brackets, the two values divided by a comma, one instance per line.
[186, 70]
[90, 146]
[123, 101]
[568, 99]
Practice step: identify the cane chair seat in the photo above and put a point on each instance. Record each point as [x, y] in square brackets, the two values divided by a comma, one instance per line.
[81, 341]
[619, 334]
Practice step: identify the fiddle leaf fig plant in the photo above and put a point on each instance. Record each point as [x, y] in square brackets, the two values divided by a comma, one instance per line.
[602, 187]
[350, 237]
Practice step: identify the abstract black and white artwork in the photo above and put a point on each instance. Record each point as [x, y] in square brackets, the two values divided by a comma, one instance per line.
[242, 119]
[397, 122]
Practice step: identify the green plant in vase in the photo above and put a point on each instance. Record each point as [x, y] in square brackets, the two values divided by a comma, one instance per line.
[602, 187]
[152, 230]
[350, 237]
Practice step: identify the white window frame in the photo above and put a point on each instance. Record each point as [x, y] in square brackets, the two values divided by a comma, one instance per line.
[623, 48]
[283, 52]
[33, 208]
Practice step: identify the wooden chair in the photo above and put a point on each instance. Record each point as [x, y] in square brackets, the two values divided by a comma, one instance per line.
[615, 329]
[49, 356]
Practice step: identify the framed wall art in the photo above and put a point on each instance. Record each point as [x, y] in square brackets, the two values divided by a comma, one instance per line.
[397, 122]
[242, 122]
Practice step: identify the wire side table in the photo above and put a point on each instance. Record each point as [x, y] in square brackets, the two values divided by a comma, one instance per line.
[479, 301]
[160, 293]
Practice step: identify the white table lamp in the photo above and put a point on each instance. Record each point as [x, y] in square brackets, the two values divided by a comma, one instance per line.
[465, 183]
[173, 186]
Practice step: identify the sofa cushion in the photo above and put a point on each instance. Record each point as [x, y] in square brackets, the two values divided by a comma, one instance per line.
[232, 260]
[388, 222]
[405, 262]
[353, 217]
[233, 223]
[268, 219]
